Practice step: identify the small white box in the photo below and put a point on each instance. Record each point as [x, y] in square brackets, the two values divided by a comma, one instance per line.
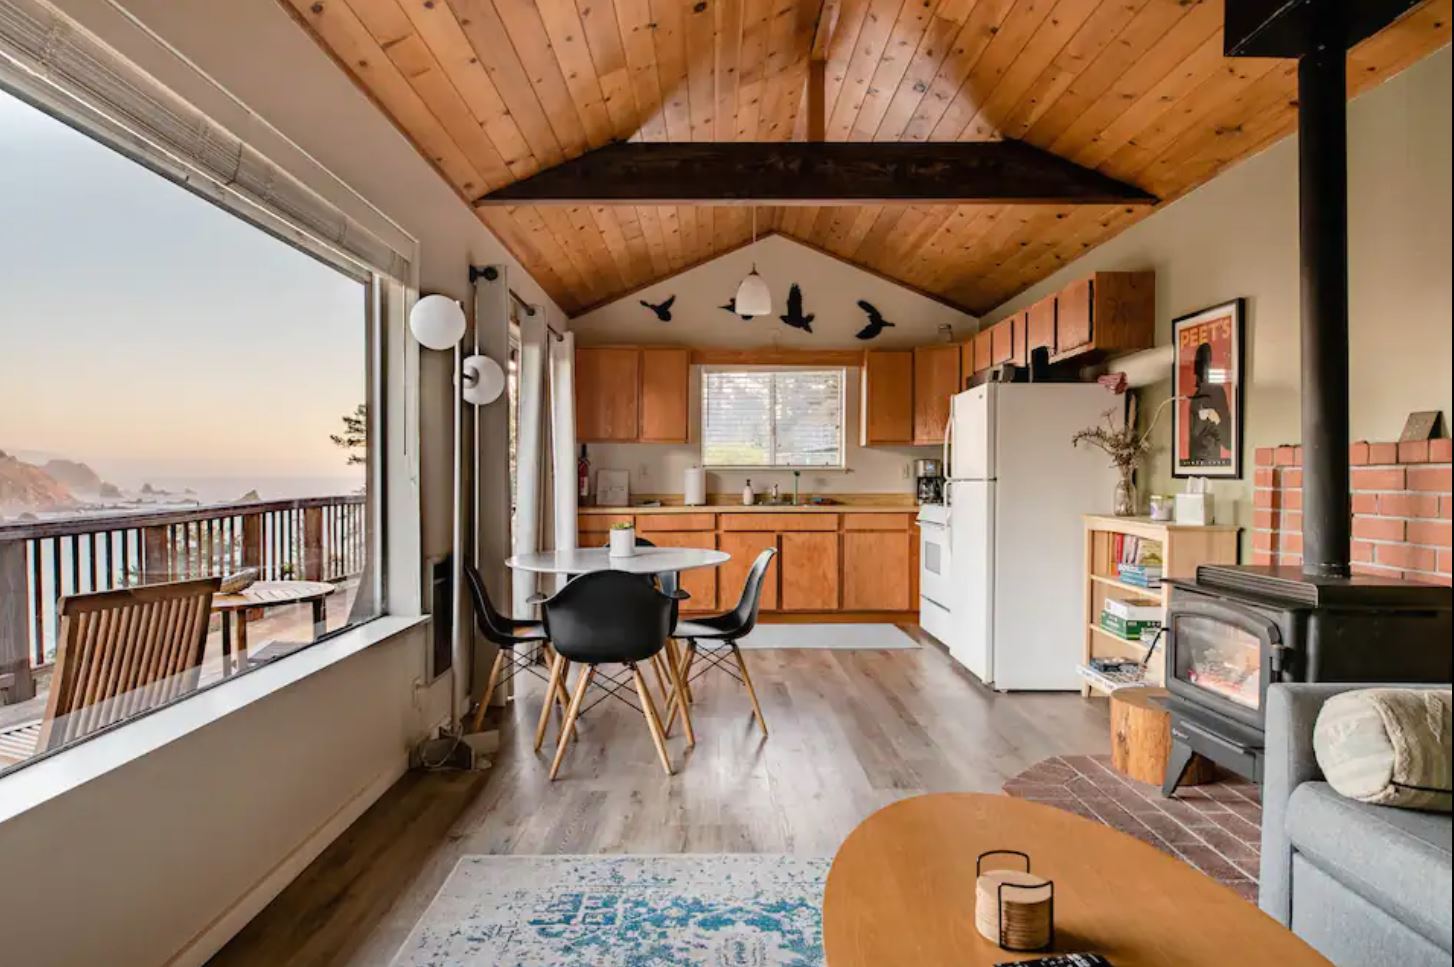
[1194, 509]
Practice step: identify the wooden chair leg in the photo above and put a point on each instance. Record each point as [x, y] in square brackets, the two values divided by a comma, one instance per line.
[678, 700]
[552, 690]
[685, 676]
[751, 692]
[490, 685]
[648, 707]
[582, 684]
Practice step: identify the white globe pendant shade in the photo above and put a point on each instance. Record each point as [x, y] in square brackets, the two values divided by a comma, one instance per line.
[753, 297]
[483, 380]
[437, 322]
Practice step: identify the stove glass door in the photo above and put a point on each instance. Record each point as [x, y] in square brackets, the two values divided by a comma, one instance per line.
[1219, 657]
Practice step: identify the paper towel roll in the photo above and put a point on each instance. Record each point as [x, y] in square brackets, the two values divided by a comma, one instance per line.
[694, 487]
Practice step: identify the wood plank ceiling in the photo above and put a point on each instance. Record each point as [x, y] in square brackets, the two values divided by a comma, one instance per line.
[492, 91]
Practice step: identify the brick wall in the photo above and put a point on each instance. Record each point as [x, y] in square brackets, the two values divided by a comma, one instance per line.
[1401, 508]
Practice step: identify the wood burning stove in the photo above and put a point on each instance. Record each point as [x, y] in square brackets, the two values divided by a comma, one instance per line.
[1235, 630]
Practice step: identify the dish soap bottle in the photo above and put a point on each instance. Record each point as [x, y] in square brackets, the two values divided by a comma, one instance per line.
[748, 498]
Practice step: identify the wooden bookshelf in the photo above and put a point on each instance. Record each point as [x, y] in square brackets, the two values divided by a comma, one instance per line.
[1184, 547]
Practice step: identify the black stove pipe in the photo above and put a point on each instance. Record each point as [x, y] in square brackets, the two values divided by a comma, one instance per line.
[1323, 229]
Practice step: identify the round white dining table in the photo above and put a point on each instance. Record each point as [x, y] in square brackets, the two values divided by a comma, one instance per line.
[646, 560]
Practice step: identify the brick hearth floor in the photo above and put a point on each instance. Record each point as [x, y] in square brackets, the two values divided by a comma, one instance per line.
[1215, 827]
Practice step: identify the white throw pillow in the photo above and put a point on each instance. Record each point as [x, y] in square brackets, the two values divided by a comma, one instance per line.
[1388, 746]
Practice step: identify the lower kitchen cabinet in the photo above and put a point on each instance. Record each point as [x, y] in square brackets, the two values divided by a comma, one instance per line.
[809, 571]
[876, 571]
[699, 582]
[744, 546]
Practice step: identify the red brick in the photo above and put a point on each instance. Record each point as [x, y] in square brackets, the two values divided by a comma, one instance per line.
[1444, 561]
[1292, 499]
[1261, 557]
[1290, 478]
[1290, 542]
[1435, 532]
[1358, 453]
[1297, 456]
[1285, 456]
[1413, 451]
[1362, 551]
[1264, 477]
[1379, 479]
[1382, 453]
[1262, 520]
[1290, 559]
[1262, 541]
[1446, 507]
[1365, 503]
[1263, 456]
[1378, 528]
[1407, 505]
[1441, 450]
[1292, 522]
[1376, 571]
[1266, 498]
[1406, 556]
[1429, 479]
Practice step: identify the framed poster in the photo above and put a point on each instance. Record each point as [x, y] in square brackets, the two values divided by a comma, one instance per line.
[1206, 379]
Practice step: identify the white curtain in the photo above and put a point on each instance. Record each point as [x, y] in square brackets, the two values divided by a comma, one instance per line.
[529, 438]
[563, 439]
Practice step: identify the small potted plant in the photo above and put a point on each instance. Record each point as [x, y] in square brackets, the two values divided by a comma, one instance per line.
[623, 540]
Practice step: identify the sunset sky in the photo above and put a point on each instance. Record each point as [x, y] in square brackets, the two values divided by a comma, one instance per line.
[156, 337]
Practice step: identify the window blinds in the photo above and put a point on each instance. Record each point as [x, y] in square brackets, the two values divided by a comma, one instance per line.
[50, 61]
[772, 418]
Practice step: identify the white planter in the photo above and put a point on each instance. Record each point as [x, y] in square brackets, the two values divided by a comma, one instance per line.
[623, 542]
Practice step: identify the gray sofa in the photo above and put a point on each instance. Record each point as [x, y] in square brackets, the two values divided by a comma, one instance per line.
[1365, 885]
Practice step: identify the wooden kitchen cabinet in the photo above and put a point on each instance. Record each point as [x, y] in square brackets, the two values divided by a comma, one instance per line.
[664, 382]
[608, 394]
[876, 570]
[983, 351]
[809, 579]
[887, 399]
[936, 379]
[1002, 342]
[1109, 312]
[1040, 325]
[744, 546]
[699, 582]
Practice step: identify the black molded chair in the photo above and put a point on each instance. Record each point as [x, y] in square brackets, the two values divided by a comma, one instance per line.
[669, 582]
[721, 632]
[608, 618]
[505, 633]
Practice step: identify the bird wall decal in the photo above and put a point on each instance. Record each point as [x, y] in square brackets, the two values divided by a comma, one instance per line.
[731, 307]
[876, 322]
[795, 317]
[662, 309]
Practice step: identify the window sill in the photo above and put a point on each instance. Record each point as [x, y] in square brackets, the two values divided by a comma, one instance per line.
[67, 769]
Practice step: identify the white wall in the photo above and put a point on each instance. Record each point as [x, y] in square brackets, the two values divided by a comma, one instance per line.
[831, 290]
[1237, 236]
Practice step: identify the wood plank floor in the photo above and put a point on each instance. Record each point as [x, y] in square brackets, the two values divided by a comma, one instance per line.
[851, 731]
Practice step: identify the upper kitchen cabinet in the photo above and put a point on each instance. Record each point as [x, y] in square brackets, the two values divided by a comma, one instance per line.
[665, 376]
[1040, 325]
[936, 379]
[608, 394]
[887, 401]
[1108, 313]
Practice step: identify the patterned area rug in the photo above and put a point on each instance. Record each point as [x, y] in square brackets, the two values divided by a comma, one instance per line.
[1217, 827]
[624, 911]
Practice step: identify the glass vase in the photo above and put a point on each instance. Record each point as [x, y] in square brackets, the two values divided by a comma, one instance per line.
[1124, 503]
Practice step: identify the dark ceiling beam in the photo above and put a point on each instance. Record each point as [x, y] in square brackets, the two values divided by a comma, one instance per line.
[829, 173]
[1285, 28]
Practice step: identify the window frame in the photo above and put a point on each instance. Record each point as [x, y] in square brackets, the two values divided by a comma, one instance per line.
[841, 466]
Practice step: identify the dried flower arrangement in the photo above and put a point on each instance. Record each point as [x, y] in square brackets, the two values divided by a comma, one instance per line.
[1126, 449]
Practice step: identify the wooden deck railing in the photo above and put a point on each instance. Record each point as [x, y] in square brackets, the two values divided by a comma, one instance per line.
[311, 538]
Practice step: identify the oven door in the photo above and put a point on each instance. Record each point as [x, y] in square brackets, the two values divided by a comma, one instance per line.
[934, 574]
[1220, 654]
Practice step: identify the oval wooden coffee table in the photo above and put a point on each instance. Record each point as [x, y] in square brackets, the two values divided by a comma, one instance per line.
[901, 892]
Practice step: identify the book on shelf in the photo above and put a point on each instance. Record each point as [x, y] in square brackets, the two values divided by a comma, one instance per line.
[1130, 549]
[1131, 611]
[1141, 575]
[1129, 629]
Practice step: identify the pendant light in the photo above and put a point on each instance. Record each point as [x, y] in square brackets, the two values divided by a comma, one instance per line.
[753, 297]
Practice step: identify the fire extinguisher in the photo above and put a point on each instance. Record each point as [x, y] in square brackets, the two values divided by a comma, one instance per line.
[583, 474]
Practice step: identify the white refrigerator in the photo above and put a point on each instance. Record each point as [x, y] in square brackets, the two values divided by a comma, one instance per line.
[1016, 490]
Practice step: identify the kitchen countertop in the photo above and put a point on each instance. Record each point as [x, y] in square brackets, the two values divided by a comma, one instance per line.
[760, 509]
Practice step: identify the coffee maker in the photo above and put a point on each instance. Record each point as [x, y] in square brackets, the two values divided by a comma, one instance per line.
[930, 476]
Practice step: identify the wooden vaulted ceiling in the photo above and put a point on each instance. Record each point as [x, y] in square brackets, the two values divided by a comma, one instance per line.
[492, 91]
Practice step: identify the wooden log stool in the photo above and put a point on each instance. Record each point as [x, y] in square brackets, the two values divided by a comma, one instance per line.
[1141, 738]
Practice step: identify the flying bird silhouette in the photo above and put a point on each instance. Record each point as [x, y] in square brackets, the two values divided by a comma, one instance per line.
[731, 307]
[663, 310]
[876, 322]
[795, 317]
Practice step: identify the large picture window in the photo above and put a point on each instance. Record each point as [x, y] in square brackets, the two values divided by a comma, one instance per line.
[185, 401]
[772, 418]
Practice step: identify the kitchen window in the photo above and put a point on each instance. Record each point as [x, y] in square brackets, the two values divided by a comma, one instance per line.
[788, 418]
